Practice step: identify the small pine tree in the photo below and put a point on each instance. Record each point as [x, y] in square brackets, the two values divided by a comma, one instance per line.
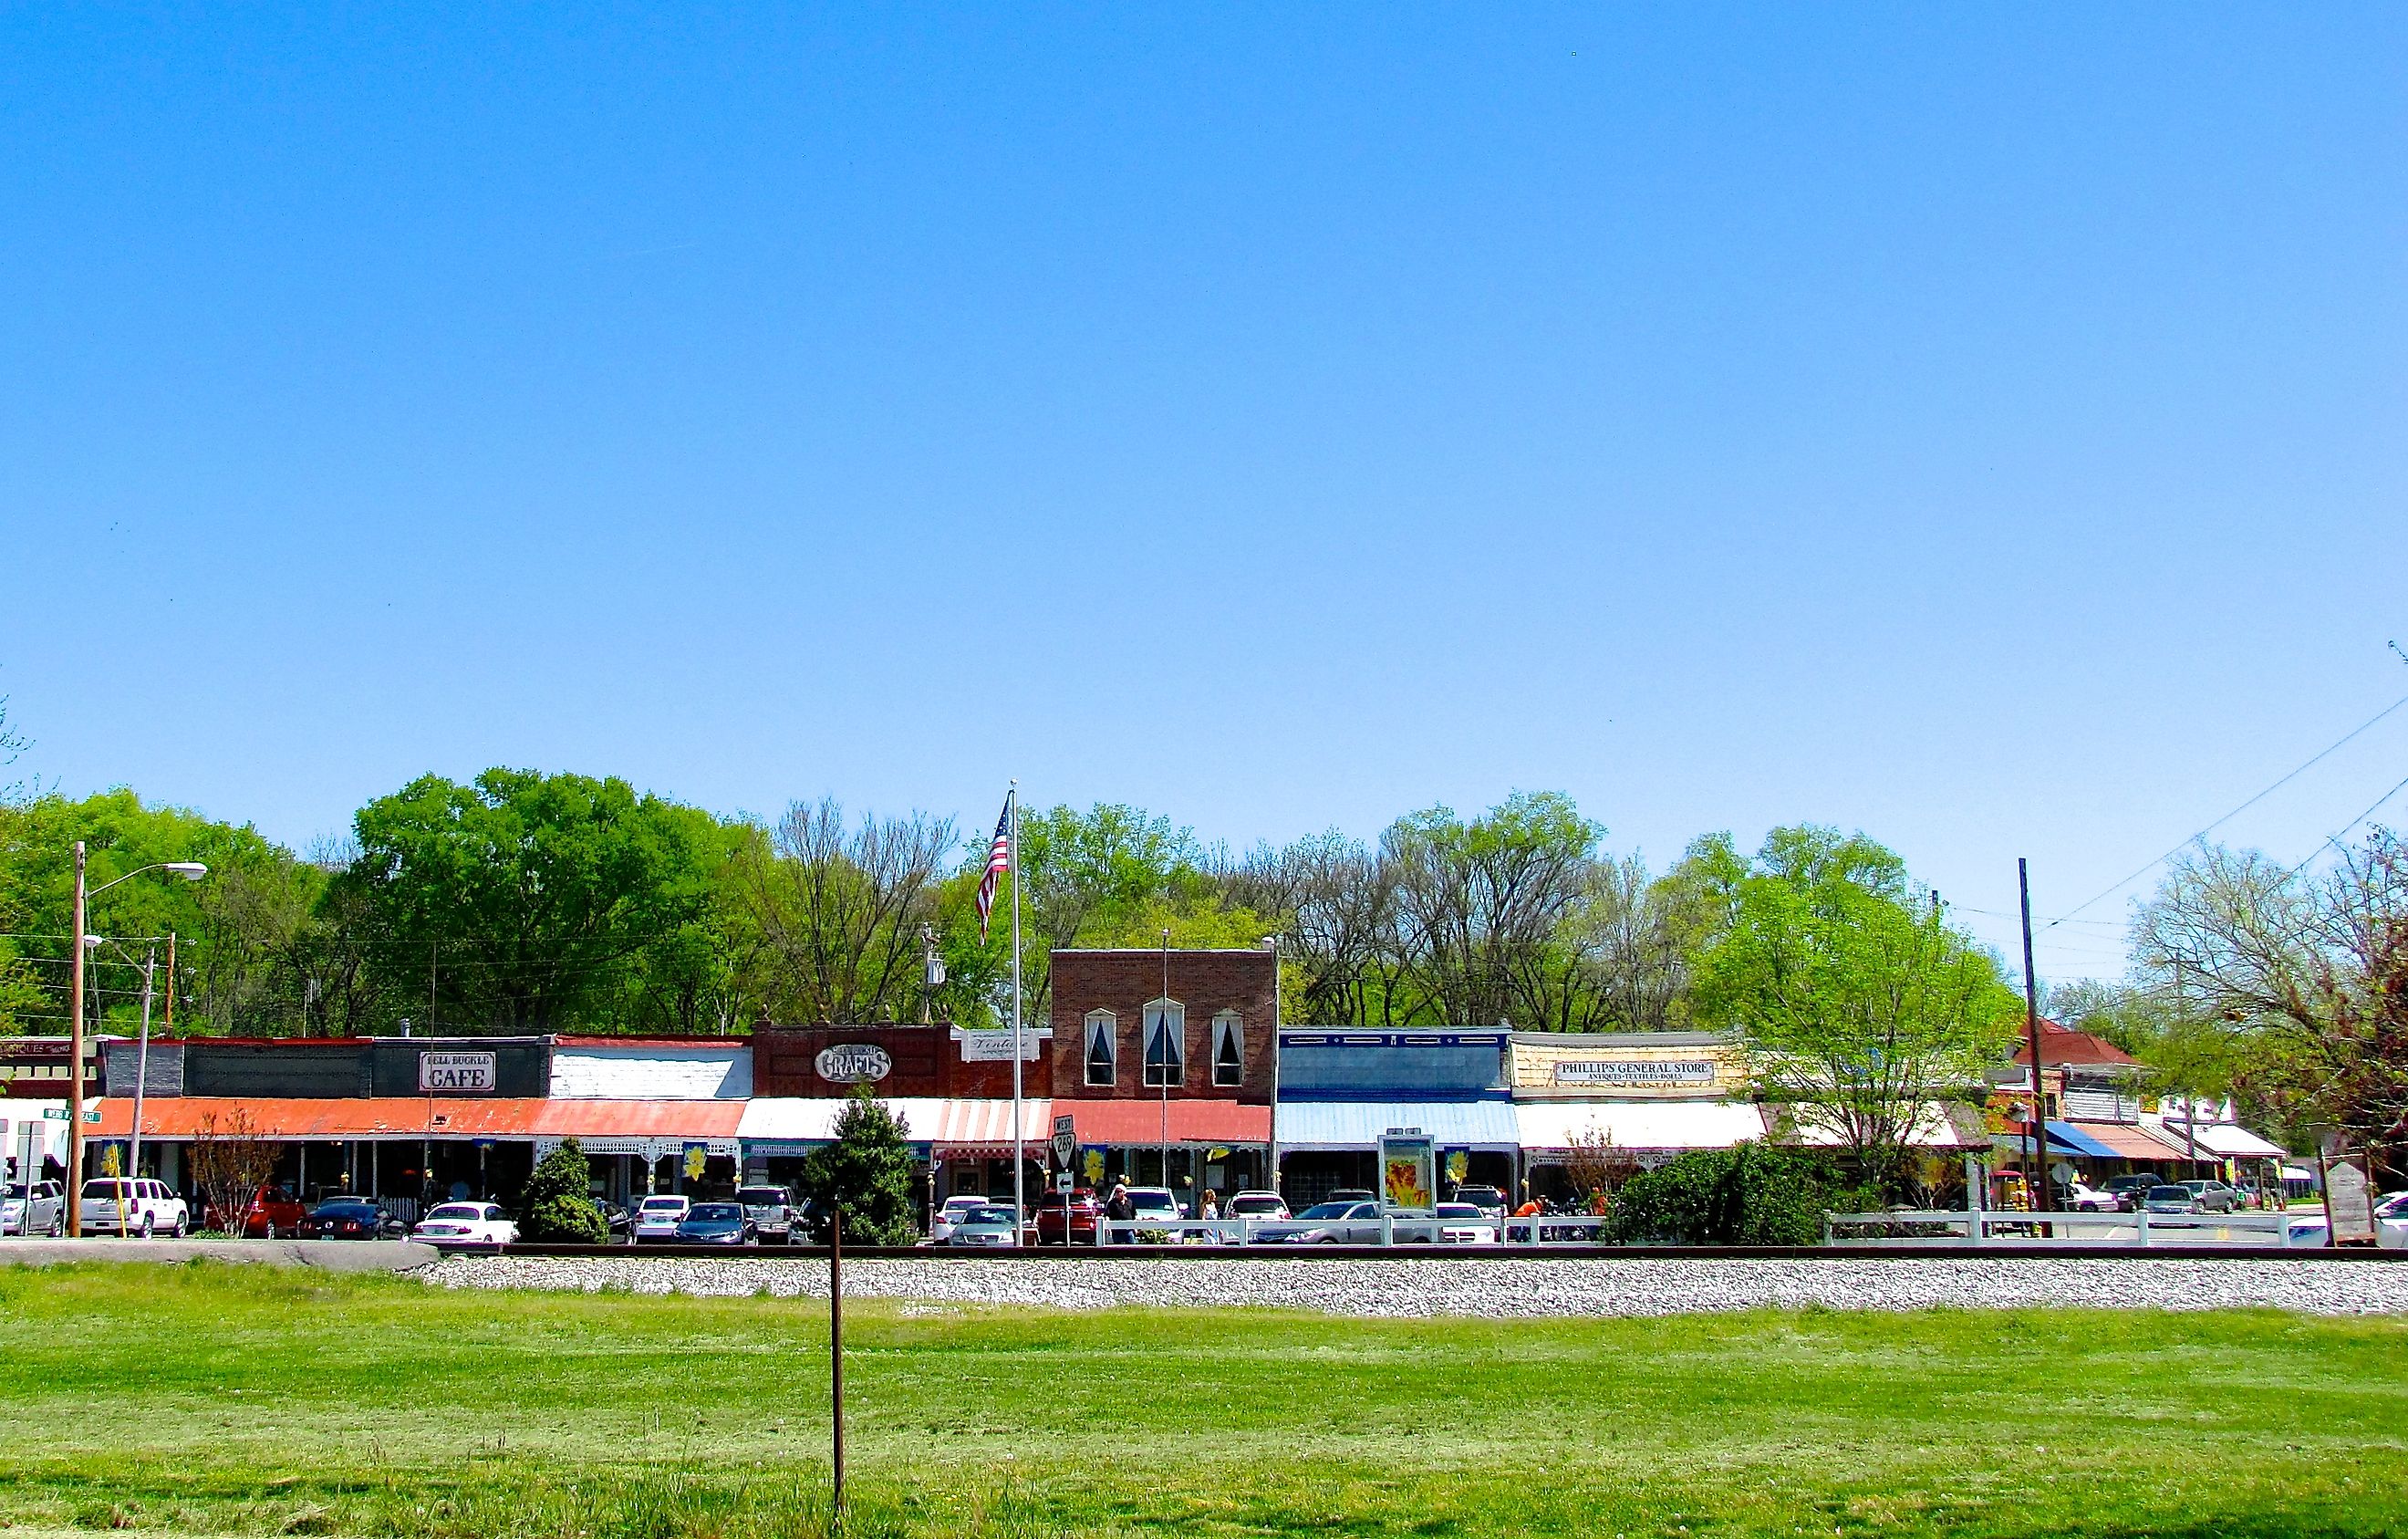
[867, 1172]
[555, 1208]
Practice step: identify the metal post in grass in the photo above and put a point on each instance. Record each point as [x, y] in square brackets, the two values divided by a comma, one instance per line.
[836, 1355]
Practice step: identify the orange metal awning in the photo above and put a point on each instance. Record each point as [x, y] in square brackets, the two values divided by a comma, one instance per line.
[299, 1118]
[1122, 1123]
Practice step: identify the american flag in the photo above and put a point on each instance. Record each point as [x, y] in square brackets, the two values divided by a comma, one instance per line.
[998, 860]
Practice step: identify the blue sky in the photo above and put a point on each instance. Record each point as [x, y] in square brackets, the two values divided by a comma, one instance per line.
[1984, 427]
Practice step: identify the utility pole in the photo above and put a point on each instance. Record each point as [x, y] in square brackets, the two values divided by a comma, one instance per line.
[835, 1359]
[74, 1064]
[2040, 1196]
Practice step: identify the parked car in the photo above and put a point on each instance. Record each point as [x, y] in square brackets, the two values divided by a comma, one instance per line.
[940, 1227]
[351, 1219]
[1157, 1205]
[1465, 1224]
[2170, 1199]
[2391, 1222]
[449, 1225]
[989, 1226]
[716, 1224]
[658, 1218]
[1077, 1214]
[1260, 1206]
[770, 1210]
[41, 1211]
[2213, 1196]
[1326, 1223]
[133, 1205]
[1489, 1200]
[272, 1212]
[2130, 1189]
[2074, 1196]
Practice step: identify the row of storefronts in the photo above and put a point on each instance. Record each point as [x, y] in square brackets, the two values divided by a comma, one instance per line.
[1169, 1069]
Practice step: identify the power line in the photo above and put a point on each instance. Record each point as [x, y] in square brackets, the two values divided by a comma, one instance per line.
[2237, 812]
[2334, 838]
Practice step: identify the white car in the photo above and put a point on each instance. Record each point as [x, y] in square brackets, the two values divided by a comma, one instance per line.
[2391, 1222]
[988, 1226]
[1260, 1206]
[466, 1224]
[133, 1205]
[1465, 1224]
[42, 1211]
[658, 1218]
[949, 1216]
[2078, 1198]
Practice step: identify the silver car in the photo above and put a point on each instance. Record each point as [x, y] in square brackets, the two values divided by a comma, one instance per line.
[1325, 1224]
[2213, 1196]
[991, 1226]
[42, 1211]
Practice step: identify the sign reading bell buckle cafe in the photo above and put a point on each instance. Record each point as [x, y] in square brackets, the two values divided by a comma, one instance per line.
[455, 1074]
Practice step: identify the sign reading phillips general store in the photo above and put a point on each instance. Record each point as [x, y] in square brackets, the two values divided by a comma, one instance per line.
[1697, 1072]
[457, 1073]
[852, 1063]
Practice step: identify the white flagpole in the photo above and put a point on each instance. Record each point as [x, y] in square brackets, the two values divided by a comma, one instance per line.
[1019, 1140]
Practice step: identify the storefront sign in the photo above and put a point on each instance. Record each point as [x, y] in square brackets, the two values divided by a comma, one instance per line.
[455, 1074]
[1634, 1071]
[856, 1063]
[994, 1047]
[2349, 1203]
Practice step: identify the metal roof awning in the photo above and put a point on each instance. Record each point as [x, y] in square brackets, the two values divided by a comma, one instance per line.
[1640, 1127]
[1131, 1123]
[2065, 1138]
[1310, 1124]
[2217, 1140]
[969, 1127]
[2120, 1140]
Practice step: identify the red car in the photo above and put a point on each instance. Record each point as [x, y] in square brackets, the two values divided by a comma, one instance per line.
[1080, 1213]
[274, 1213]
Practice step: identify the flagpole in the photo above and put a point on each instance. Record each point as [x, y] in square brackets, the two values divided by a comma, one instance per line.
[1019, 1140]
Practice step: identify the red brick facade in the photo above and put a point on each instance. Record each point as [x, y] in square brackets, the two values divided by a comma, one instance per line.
[925, 1061]
[1207, 982]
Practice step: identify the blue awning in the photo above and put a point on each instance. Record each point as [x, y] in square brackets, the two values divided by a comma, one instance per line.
[1358, 1124]
[2064, 1138]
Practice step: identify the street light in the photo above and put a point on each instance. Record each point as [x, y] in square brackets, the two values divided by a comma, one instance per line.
[191, 870]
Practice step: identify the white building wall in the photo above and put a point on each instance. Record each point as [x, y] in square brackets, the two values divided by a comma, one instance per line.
[653, 1072]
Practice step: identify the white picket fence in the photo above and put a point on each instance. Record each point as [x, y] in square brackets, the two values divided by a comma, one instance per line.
[1942, 1227]
[1393, 1230]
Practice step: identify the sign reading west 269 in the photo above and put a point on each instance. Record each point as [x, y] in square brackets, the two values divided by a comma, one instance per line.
[455, 1074]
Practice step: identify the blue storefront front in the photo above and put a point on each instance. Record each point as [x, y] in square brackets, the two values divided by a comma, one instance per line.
[1339, 1090]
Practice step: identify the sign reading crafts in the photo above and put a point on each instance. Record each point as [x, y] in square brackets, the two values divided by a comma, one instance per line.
[455, 1074]
[852, 1063]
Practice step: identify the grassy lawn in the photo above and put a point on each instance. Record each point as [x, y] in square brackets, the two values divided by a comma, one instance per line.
[240, 1399]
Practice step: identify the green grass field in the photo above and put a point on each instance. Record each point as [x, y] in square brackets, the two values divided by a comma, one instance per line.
[210, 1398]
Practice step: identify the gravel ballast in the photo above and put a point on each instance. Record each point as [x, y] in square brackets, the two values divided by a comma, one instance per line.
[1502, 1288]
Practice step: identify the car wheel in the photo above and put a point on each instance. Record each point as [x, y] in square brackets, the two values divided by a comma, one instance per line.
[180, 1227]
[58, 1226]
[147, 1222]
[271, 1229]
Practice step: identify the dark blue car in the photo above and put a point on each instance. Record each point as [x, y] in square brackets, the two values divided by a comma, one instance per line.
[715, 1224]
[349, 1218]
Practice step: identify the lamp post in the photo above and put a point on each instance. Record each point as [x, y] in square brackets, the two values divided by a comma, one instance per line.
[191, 870]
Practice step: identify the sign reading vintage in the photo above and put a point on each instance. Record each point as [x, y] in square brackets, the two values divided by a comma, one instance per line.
[854, 1063]
[988, 1045]
[1634, 1071]
[455, 1074]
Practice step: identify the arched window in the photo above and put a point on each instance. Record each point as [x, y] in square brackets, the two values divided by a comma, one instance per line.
[1166, 1043]
[1228, 1048]
[1103, 1047]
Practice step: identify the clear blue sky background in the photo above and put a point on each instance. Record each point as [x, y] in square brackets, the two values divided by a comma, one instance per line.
[1981, 426]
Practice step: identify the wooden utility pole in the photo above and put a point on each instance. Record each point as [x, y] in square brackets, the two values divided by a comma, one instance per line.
[2038, 1173]
[74, 1064]
[836, 1355]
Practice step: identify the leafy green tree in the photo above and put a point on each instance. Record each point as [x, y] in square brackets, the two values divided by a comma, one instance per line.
[867, 1172]
[557, 1205]
[1861, 1008]
[526, 903]
[1745, 1196]
[1481, 904]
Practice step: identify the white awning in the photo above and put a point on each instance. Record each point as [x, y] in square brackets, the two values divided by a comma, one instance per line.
[1934, 1129]
[1550, 1127]
[967, 1125]
[2221, 1139]
[1358, 1124]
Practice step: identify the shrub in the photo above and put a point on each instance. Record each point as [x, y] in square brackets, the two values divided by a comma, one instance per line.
[867, 1172]
[555, 1208]
[1744, 1196]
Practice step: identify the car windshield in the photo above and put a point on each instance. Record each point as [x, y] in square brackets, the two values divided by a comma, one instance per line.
[721, 1211]
[990, 1215]
[1457, 1210]
[664, 1204]
[458, 1210]
[1152, 1201]
[106, 1188]
[1327, 1210]
[2168, 1194]
[761, 1196]
[1253, 1204]
[344, 1210]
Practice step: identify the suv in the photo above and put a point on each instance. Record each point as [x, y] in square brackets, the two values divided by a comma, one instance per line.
[1489, 1200]
[658, 1218]
[2128, 1192]
[273, 1212]
[133, 1205]
[1263, 1207]
[1075, 1212]
[2213, 1196]
[41, 1211]
[770, 1210]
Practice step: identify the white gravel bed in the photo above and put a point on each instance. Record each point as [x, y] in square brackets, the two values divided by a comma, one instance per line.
[1518, 1287]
